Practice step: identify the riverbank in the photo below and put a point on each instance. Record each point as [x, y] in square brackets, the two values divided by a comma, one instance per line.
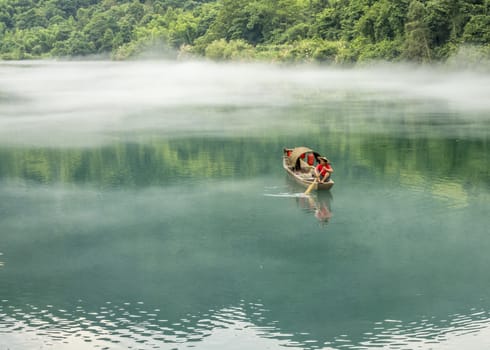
[347, 32]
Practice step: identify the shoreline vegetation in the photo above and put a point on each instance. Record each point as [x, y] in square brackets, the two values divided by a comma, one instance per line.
[338, 32]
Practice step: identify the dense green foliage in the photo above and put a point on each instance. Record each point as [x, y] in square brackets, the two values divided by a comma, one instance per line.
[340, 31]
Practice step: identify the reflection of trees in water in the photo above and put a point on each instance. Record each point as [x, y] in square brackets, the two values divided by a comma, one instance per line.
[160, 162]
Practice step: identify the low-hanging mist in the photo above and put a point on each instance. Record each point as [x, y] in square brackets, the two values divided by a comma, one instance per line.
[84, 102]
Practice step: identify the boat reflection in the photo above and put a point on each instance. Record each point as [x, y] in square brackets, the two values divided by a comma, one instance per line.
[318, 204]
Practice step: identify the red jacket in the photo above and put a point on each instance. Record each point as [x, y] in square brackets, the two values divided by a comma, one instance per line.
[322, 169]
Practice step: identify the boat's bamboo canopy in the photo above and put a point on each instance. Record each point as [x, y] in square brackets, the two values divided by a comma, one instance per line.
[297, 152]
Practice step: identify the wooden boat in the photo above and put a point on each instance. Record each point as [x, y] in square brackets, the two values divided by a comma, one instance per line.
[299, 163]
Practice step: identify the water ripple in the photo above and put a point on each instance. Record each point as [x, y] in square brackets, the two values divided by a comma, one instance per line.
[118, 326]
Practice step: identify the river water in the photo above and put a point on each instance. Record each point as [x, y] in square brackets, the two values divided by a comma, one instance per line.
[143, 205]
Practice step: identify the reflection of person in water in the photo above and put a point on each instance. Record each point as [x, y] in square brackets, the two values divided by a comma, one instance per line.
[322, 208]
[319, 205]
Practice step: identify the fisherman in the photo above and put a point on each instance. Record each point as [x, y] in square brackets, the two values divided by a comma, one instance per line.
[323, 170]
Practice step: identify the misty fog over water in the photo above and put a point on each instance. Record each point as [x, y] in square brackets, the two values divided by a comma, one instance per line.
[69, 102]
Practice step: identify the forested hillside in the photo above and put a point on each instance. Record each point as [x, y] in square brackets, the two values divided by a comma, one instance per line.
[333, 31]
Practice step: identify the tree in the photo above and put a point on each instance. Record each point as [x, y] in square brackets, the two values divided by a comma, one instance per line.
[78, 44]
[6, 14]
[30, 18]
[327, 24]
[477, 30]
[439, 18]
[384, 20]
[416, 45]
[95, 29]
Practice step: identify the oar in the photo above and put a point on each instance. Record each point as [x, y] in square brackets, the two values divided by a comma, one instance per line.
[310, 188]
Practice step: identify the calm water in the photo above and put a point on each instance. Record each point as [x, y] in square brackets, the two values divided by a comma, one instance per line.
[144, 206]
